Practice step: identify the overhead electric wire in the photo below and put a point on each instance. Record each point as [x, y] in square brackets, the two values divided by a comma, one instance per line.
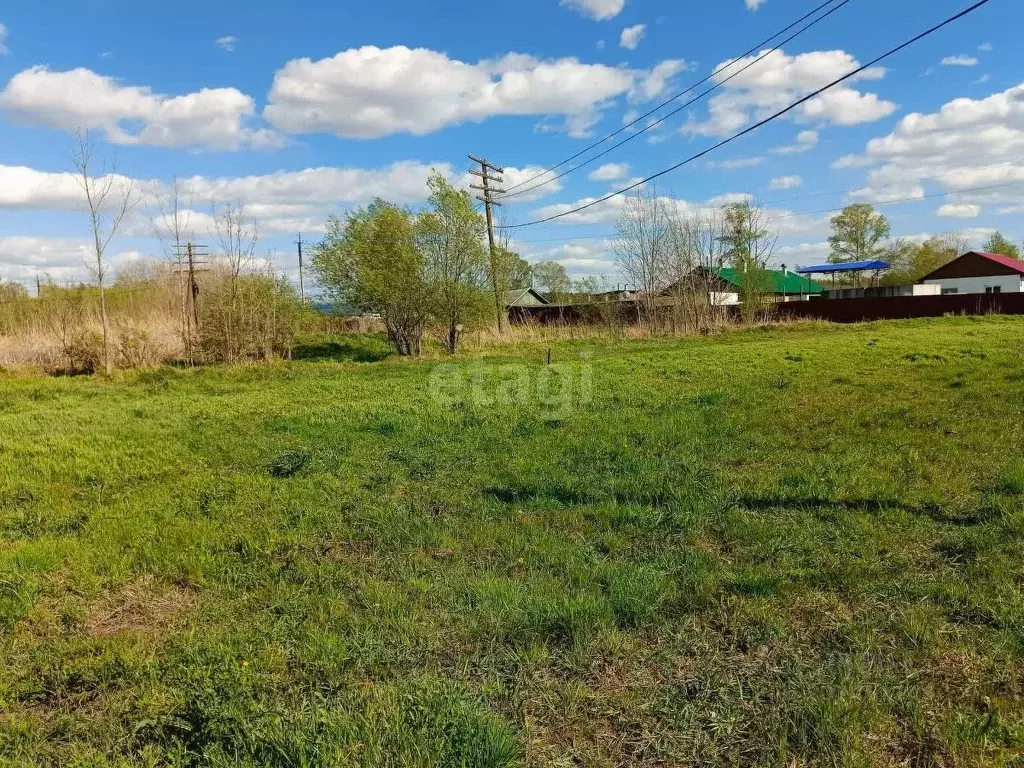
[654, 124]
[901, 200]
[762, 123]
[679, 95]
[880, 204]
[849, 191]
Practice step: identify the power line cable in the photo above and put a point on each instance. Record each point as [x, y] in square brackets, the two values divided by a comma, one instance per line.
[906, 199]
[665, 103]
[897, 201]
[851, 190]
[653, 124]
[762, 123]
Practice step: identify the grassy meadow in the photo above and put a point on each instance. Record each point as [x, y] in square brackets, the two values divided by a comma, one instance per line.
[800, 546]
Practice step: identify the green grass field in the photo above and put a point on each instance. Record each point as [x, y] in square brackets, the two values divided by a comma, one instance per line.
[792, 547]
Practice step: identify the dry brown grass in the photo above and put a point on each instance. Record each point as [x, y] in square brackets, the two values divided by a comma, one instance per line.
[35, 349]
[532, 332]
[237, 317]
[142, 607]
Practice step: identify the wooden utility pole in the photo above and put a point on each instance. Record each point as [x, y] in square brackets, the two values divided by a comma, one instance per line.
[193, 285]
[190, 261]
[302, 286]
[488, 201]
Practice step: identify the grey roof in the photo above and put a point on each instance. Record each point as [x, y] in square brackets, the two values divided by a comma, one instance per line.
[524, 297]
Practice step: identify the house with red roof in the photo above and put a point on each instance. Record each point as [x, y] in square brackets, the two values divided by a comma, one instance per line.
[978, 272]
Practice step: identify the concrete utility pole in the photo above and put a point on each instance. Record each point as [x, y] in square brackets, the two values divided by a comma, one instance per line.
[302, 286]
[488, 201]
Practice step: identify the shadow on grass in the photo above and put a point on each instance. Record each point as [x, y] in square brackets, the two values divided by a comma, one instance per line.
[571, 497]
[819, 505]
[361, 350]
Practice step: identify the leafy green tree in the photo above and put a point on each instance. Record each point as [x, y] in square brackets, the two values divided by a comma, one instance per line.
[999, 244]
[514, 271]
[858, 234]
[450, 236]
[910, 262]
[747, 240]
[550, 278]
[588, 286]
[369, 260]
[748, 244]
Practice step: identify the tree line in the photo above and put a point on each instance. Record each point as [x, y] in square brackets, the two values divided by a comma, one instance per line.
[861, 233]
[427, 272]
[233, 306]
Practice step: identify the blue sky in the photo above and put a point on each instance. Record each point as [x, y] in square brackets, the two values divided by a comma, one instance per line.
[299, 110]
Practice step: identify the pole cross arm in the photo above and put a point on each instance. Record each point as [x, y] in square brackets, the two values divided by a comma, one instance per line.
[485, 164]
[487, 177]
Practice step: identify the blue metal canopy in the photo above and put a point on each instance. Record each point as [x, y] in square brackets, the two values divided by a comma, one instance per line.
[853, 266]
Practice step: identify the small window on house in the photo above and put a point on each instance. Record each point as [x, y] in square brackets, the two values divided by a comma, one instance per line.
[949, 291]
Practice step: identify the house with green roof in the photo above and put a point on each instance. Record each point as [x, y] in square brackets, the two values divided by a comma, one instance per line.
[727, 285]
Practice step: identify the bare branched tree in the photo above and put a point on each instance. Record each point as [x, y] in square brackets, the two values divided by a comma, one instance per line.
[643, 244]
[237, 237]
[698, 253]
[956, 243]
[109, 199]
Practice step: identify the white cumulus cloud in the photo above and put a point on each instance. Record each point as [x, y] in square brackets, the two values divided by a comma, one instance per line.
[783, 221]
[959, 211]
[284, 201]
[213, 118]
[786, 182]
[599, 10]
[961, 60]
[610, 172]
[579, 259]
[742, 162]
[631, 36]
[779, 80]
[753, 5]
[28, 188]
[805, 142]
[3, 40]
[968, 143]
[372, 92]
[226, 43]
[23, 258]
[516, 180]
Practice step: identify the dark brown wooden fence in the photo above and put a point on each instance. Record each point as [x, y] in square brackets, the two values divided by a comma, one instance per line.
[903, 307]
[832, 310]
